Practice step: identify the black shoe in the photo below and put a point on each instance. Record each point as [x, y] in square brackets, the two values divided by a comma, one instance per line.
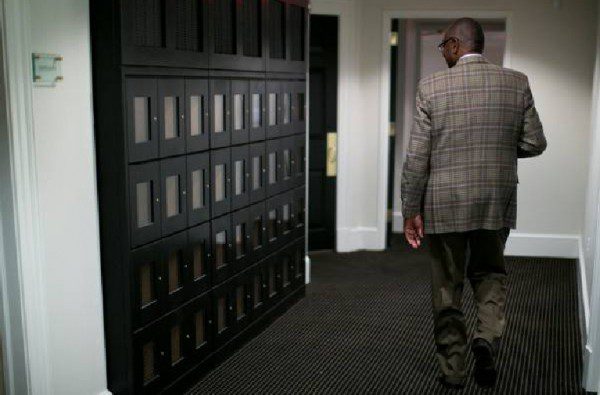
[451, 383]
[484, 372]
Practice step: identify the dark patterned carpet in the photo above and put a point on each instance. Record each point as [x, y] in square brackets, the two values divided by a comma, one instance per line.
[365, 327]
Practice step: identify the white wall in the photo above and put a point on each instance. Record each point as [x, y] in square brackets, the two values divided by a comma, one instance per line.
[554, 47]
[590, 255]
[63, 128]
[590, 233]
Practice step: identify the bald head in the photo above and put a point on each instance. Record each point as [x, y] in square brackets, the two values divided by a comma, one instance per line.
[469, 32]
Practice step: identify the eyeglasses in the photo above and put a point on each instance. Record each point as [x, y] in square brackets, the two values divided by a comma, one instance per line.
[443, 43]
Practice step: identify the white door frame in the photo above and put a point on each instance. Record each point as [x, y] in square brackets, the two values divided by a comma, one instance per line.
[383, 160]
[21, 249]
[345, 10]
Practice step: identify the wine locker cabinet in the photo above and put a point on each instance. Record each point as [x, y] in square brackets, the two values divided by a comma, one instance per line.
[200, 130]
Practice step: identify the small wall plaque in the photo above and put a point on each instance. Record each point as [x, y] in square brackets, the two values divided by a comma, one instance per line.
[46, 69]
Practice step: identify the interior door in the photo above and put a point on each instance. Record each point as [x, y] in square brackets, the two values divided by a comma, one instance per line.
[323, 120]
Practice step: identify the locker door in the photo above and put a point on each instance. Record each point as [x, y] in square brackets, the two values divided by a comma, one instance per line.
[148, 287]
[237, 35]
[240, 221]
[297, 16]
[286, 149]
[176, 268]
[299, 107]
[220, 104]
[258, 231]
[273, 167]
[287, 35]
[141, 118]
[285, 128]
[222, 240]
[299, 165]
[143, 30]
[240, 113]
[179, 349]
[258, 110]
[187, 25]
[273, 280]
[220, 181]
[196, 115]
[198, 188]
[224, 314]
[242, 302]
[164, 33]
[278, 35]
[173, 195]
[299, 211]
[171, 110]
[273, 109]
[287, 226]
[240, 194]
[285, 258]
[258, 172]
[298, 265]
[273, 224]
[144, 203]
[150, 364]
[199, 327]
[199, 258]
[258, 289]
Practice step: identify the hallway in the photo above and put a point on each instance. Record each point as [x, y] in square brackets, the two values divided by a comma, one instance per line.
[365, 327]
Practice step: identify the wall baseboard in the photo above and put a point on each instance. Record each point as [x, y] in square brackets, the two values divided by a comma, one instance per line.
[584, 304]
[359, 238]
[543, 245]
[518, 244]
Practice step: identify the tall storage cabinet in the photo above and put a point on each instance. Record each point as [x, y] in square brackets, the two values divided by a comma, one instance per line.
[200, 127]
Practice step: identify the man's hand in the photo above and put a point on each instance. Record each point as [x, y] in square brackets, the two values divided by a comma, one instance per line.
[413, 230]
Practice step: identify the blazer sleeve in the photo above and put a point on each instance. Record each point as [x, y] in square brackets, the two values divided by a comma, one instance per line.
[415, 172]
[532, 141]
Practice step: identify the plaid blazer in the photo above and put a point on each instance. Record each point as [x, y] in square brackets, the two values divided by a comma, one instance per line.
[471, 124]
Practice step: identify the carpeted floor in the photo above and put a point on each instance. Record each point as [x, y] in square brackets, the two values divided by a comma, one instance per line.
[365, 327]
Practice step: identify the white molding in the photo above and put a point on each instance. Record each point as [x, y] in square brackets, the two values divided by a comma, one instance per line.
[384, 124]
[347, 65]
[307, 263]
[385, 81]
[358, 238]
[591, 376]
[591, 371]
[543, 245]
[29, 247]
[583, 307]
[583, 291]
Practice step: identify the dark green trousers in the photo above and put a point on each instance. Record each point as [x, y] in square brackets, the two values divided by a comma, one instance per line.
[478, 254]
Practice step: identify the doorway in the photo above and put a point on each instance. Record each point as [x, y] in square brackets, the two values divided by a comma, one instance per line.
[323, 131]
[413, 55]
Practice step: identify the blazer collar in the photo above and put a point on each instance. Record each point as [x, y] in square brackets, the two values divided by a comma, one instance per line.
[472, 59]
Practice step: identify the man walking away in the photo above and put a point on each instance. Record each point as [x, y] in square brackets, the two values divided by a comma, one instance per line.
[459, 186]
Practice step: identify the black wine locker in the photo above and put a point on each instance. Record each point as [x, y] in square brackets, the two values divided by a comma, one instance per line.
[200, 125]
